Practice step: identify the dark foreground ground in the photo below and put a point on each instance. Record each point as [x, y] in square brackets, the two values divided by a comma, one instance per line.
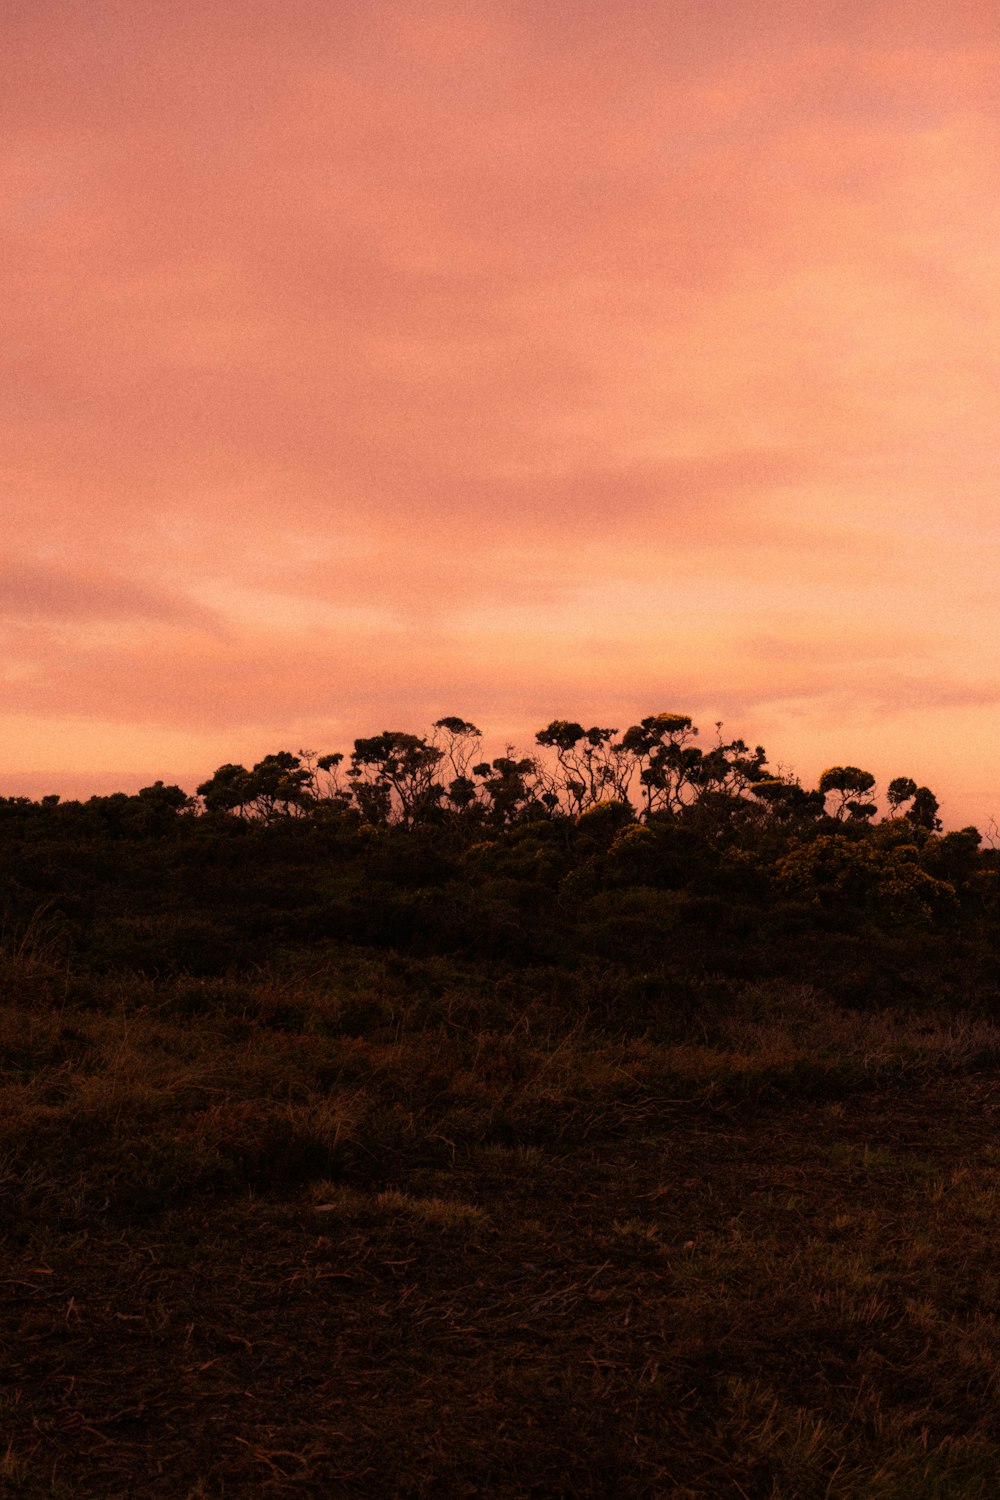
[424, 1138]
[744, 1293]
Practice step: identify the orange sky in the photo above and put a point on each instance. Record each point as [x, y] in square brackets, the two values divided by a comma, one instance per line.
[371, 361]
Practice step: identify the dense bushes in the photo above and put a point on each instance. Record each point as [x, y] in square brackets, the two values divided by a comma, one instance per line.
[717, 866]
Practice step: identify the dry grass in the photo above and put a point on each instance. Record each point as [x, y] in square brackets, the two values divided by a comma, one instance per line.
[776, 1019]
[286, 1238]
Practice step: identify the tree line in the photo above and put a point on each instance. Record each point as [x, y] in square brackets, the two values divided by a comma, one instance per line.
[643, 862]
[655, 768]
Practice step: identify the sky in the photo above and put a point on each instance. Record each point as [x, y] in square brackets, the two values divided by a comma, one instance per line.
[368, 361]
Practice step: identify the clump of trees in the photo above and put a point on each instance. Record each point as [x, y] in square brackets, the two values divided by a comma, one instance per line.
[655, 768]
[646, 851]
[655, 772]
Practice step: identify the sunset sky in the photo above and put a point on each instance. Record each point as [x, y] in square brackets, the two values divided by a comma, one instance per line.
[370, 361]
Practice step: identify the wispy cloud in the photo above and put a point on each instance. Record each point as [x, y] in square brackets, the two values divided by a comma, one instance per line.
[35, 592]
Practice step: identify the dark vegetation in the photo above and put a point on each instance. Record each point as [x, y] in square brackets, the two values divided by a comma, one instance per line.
[615, 1120]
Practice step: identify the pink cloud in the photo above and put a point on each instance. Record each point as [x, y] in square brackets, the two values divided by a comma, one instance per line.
[496, 353]
[46, 593]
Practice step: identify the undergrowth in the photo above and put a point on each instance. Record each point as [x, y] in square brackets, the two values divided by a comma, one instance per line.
[364, 1231]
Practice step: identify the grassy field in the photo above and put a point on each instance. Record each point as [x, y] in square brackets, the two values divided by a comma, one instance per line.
[383, 1230]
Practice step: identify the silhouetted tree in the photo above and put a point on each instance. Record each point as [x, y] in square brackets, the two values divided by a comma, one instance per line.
[900, 789]
[514, 789]
[593, 767]
[787, 801]
[227, 790]
[459, 741]
[923, 812]
[849, 784]
[281, 786]
[393, 773]
[664, 757]
[277, 786]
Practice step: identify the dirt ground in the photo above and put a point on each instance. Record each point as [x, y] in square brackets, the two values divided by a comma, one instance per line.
[786, 1301]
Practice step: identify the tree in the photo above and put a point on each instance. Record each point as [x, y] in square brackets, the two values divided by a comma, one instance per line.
[660, 745]
[593, 767]
[328, 790]
[160, 796]
[924, 811]
[514, 789]
[393, 773]
[728, 770]
[277, 786]
[900, 789]
[849, 784]
[281, 786]
[227, 790]
[786, 800]
[459, 741]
